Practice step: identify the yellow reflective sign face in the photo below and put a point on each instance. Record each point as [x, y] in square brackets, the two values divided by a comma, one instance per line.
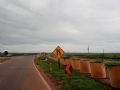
[58, 52]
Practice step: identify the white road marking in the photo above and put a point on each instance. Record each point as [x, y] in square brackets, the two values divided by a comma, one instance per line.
[45, 82]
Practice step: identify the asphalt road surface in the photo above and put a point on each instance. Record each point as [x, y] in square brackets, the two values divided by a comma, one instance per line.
[20, 74]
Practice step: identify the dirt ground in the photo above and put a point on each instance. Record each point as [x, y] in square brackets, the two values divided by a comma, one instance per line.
[3, 59]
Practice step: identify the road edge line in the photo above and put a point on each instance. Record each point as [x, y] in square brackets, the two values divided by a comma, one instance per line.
[45, 82]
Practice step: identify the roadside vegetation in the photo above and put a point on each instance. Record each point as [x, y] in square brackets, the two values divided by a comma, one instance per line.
[115, 56]
[77, 81]
[4, 56]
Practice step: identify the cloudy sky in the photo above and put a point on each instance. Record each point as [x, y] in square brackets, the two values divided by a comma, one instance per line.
[41, 25]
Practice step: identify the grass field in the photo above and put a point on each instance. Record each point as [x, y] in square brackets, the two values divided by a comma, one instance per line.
[77, 81]
[114, 56]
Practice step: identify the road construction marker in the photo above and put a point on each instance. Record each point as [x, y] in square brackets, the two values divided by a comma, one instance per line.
[68, 69]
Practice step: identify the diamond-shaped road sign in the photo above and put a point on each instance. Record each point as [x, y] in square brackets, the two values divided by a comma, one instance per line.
[58, 52]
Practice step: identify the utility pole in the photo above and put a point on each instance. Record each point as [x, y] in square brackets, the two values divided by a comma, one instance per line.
[88, 49]
[103, 53]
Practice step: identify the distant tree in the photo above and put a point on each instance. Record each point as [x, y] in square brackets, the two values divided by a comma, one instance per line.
[5, 53]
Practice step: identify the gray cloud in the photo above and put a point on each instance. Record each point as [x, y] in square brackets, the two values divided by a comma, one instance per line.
[73, 24]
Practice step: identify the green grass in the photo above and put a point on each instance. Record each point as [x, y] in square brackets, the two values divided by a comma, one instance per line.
[112, 64]
[115, 56]
[77, 81]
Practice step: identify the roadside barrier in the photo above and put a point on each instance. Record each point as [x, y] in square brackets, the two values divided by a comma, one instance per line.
[68, 61]
[62, 61]
[85, 66]
[97, 70]
[52, 59]
[114, 74]
[76, 64]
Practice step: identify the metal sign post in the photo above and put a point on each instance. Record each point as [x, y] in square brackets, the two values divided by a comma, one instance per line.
[59, 63]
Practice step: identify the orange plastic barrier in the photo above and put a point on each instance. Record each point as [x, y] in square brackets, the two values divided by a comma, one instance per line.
[97, 70]
[68, 61]
[114, 74]
[85, 66]
[53, 59]
[76, 64]
[62, 61]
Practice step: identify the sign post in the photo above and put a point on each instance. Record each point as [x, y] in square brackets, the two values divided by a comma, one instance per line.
[59, 63]
[58, 52]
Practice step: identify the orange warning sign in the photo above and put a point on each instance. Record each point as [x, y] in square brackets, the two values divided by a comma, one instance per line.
[68, 69]
[58, 52]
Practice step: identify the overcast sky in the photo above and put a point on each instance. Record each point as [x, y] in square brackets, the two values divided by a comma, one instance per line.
[41, 25]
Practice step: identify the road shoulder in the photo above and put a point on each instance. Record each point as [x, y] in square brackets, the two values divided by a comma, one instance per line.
[50, 80]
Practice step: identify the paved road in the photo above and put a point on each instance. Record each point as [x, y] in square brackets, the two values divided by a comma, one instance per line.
[20, 74]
